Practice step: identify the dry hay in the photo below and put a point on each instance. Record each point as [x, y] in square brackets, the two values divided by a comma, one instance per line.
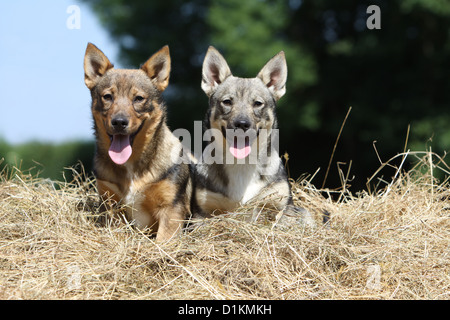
[388, 244]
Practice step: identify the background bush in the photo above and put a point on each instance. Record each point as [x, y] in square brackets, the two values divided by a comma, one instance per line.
[395, 79]
[48, 160]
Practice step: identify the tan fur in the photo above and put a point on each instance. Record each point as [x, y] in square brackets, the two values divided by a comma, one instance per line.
[213, 203]
[149, 181]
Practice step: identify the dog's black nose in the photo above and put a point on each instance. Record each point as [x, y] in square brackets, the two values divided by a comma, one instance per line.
[243, 124]
[119, 123]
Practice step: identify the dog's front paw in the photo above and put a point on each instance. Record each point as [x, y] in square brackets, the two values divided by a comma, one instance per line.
[295, 216]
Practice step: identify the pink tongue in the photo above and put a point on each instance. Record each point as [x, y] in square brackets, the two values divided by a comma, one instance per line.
[240, 153]
[120, 150]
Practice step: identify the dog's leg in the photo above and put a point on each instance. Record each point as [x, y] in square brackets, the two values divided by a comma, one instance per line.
[295, 215]
[109, 199]
[171, 221]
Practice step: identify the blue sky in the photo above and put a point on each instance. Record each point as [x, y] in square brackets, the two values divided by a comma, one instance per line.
[42, 92]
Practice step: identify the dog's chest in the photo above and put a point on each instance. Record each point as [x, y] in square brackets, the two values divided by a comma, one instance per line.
[244, 182]
[133, 200]
[130, 196]
[136, 185]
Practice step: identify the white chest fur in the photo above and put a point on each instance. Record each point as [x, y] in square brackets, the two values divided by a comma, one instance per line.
[245, 180]
[133, 199]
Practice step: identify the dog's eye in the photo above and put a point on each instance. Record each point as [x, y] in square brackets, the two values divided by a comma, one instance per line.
[257, 103]
[138, 99]
[107, 97]
[227, 102]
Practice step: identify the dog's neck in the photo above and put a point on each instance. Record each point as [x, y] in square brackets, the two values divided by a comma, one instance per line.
[151, 153]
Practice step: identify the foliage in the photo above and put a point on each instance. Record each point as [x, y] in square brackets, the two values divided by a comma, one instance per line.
[46, 159]
[395, 78]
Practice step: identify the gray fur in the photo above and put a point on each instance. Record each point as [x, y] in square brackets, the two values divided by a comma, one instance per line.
[253, 101]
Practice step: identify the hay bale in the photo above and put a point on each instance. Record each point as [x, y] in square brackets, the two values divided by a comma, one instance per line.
[388, 244]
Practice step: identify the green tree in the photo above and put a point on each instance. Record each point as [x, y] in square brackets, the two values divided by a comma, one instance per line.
[47, 160]
[392, 77]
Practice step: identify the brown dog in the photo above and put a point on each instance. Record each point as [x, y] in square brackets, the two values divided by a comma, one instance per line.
[137, 156]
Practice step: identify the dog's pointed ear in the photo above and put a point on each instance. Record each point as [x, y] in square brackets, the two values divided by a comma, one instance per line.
[95, 65]
[274, 75]
[158, 68]
[215, 70]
